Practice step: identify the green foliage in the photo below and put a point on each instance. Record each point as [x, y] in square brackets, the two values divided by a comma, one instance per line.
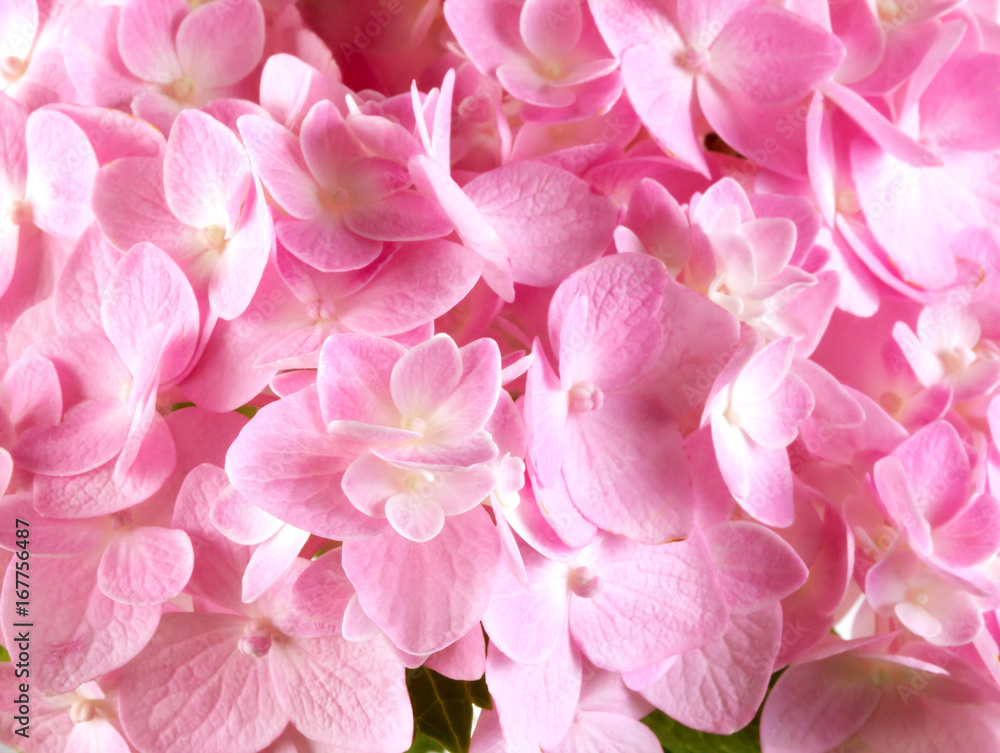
[676, 738]
[248, 410]
[442, 708]
[4, 656]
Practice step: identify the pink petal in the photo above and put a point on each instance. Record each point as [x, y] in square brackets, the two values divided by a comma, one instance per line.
[972, 536]
[86, 633]
[773, 56]
[664, 100]
[657, 601]
[241, 521]
[402, 216]
[938, 498]
[373, 714]
[719, 687]
[271, 559]
[146, 565]
[536, 703]
[549, 29]
[426, 376]
[777, 571]
[327, 243]
[526, 621]
[426, 596]
[816, 706]
[91, 434]
[61, 170]
[609, 732]
[322, 591]
[77, 297]
[278, 161]
[205, 171]
[97, 492]
[549, 221]
[219, 45]
[354, 379]
[146, 39]
[148, 290]
[627, 325]
[131, 207]
[465, 659]
[626, 472]
[285, 463]
[96, 736]
[240, 269]
[193, 686]
[419, 283]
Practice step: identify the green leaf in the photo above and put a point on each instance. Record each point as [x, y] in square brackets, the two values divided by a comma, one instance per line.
[424, 744]
[442, 708]
[4, 656]
[676, 738]
[248, 410]
[180, 406]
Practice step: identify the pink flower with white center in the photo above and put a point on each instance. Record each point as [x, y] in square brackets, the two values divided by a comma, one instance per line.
[32, 36]
[626, 605]
[423, 407]
[342, 202]
[719, 687]
[105, 573]
[556, 62]
[244, 666]
[948, 348]
[200, 203]
[857, 696]
[159, 57]
[925, 487]
[84, 720]
[919, 213]
[597, 427]
[400, 433]
[531, 222]
[151, 319]
[754, 411]
[716, 56]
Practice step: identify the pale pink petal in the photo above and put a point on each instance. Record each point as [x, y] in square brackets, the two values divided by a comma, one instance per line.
[719, 687]
[426, 596]
[402, 216]
[241, 521]
[96, 736]
[194, 686]
[327, 243]
[972, 536]
[205, 172]
[285, 463]
[664, 100]
[777, 570]
[219, 45]
[425, 376]
[536, 703]
[657, 601]
[419, 283]
[131, 206]
[278, 161]
[773, 56]
[91, 434]
[61, 170]
[465, 659]
[146, 38]
[271, 559]
[146, 565]
[354, 379]
[549, 221]
[86, 633]
[815, 707]
[357, 691]
[147, 291]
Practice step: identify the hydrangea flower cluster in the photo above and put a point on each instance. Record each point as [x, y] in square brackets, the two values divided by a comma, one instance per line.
[616, 351]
